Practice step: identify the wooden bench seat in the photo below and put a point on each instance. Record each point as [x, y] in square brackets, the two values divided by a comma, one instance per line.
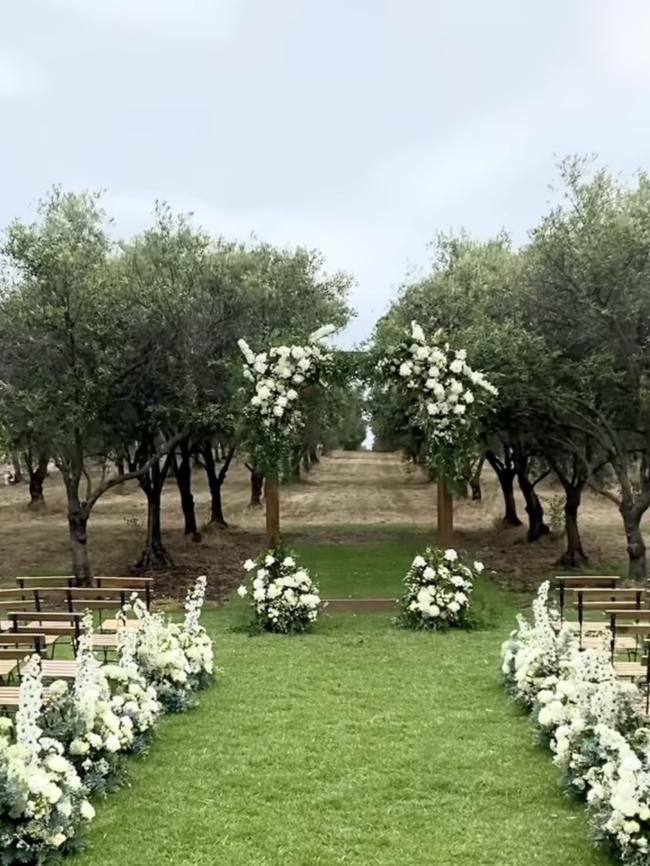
[630, 670]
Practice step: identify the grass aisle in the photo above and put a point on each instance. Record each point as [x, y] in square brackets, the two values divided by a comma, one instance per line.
[357, 744]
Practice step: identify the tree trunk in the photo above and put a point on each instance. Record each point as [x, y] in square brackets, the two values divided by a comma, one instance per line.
[257, 486]
[154, 554]
[313, 456]
[534, 508]
[574, 555]
[37, 476]
[18, 472]
[306, 463]
[635, 543]
[506, 475]
[183, 473]
[215, 481]
[77, 524]
[475, 482]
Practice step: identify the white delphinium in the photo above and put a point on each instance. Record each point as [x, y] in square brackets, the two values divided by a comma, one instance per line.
[28, 730]
[194, 639]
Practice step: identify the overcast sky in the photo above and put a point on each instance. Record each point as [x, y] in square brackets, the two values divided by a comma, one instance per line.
[361, 127]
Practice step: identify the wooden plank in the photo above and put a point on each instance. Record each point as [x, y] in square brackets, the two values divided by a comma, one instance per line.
[586, 580]
[445, 515]
[359, 605]
[607, 591]
[272, 502]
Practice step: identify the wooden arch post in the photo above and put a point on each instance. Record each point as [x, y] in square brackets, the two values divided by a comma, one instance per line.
[445, 515]
[272, 502]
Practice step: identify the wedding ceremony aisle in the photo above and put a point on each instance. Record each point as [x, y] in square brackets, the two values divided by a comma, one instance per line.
[358, 743]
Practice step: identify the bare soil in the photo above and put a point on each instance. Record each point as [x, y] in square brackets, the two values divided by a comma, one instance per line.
[351, 497]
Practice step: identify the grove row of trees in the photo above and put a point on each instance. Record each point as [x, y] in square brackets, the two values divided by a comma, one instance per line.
[119, 360]
[562, 327]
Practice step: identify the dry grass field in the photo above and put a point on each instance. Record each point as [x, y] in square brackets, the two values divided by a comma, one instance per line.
[350, 496]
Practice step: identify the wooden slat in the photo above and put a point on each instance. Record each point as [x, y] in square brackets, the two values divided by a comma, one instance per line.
[124, 582]
[608, 605]
[51, 581]
[585, 580]
[46, 615]
[359, 605]
[616, 592]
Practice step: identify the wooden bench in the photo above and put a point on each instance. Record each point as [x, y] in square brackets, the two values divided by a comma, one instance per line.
[572, 581]
[141, 585]
[604, 600]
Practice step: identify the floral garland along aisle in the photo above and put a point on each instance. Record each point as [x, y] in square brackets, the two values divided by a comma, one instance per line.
[72, 741]
[587, 717]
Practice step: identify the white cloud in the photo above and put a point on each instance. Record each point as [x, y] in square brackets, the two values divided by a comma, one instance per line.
[194, 20]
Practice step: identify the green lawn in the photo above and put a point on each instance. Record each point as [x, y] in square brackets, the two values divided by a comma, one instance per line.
[356, 744]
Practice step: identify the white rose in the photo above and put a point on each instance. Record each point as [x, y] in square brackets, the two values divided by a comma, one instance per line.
[405, 369]
[434, 611]
[468, 397]
[249, 565]
[450, 555]
[87, 810]
[429, 573]
[57, 840]
[278, 411]
[291, 394]
[479, 567]
[242, 591]
[456, 366]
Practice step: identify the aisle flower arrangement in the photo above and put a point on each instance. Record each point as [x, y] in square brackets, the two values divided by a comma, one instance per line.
[175, 658]
[108, 712]
[74, 740]
[284, 597]
[587, 717]
[439, 587]
[43, 803]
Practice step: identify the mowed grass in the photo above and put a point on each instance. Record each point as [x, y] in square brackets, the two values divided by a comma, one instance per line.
[355, 744]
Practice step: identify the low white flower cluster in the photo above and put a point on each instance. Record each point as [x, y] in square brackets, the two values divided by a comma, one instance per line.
[447, 386]
[438, 590]
[278, 377]
[588, 718]
[74, 740]
[284, 596]
[43, 802]
[175, 658]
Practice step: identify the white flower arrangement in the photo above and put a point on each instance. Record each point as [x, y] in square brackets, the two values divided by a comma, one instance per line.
[105, 715]
[445, 393]
[175, 658]
[279, 376]
[284, 598]
[438, 590]
[43, 802]
[587, 716]
[76, 739]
